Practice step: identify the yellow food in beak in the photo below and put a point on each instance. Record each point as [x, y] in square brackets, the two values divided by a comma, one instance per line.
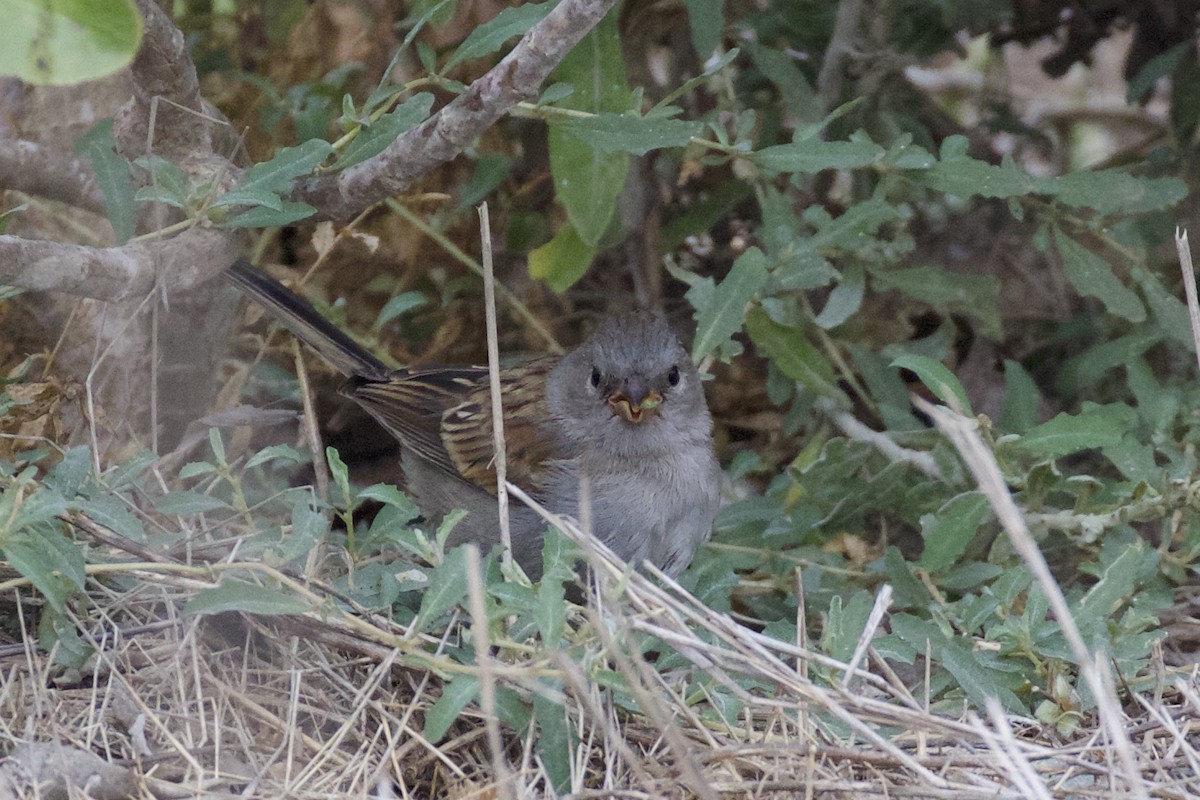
[635, 412]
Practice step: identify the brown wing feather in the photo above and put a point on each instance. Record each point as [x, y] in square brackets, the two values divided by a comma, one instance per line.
[410, 405]
[467, 429]
[444, 416]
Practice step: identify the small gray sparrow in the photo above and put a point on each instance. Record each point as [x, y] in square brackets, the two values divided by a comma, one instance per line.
[624, 412]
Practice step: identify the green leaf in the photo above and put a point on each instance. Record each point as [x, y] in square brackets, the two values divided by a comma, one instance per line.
[555, 742]
[1019, 409]
[706, 21]
[977, 295]
[1093, 277]
[109, 511]
[977, 681]
[845, 299]
[948, 531]
[126, 473]
[398, 305]
[1113, 191]
[1094, 426]
[1160, 66]
[488, 37]
[447, 587]
[39, 507]
[792, 353]
[847, 619]
[276, 175]
[611, 133]
[278, 452]
[461, 690]
[1116, 585]
[374, 139]
[264, 217]
[814, 155]
[937, 379]
[562, 261]
[587, 181]
[390, 496]
[112, 176]
[48, 560]
[723, 314]
[68, 41]
[185, 503]
[168, 185]
[237, 595]
[70, 474]
[782, 69]
[958, 174]
[551, 612]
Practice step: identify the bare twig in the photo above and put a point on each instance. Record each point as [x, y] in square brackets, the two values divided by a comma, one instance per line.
[493, 350]
[1189, 285]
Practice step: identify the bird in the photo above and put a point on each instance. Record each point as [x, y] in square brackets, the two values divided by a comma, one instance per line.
[624, 413]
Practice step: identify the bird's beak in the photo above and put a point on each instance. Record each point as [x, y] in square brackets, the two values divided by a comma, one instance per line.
[635, 400]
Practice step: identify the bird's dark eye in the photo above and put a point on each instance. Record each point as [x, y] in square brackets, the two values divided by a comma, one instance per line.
[595, 377]
[673, 376]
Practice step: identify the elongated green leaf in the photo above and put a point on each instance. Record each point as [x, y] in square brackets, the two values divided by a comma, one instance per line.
[1094, 426]
[948, 532]
[587, 181]
[447, 586]
[185, 503]
[112, 176]
[489, 36]
[779, 67]
[235, 595]
[723, 315]
[47, 559]
[1114, 191]
[705, 19]
[977, 295]
[814, 155]
[937, 379]
[976, 680]
[792, 353]
[555, 742]
[374, 139]
[1019, 410]
[1093, 277]
[68, 41]
[561, 261]
[1135, 563]
[456, 694]
[958, 174]
[263, 217]
[612, 133]
[277, 174]
[845, 299]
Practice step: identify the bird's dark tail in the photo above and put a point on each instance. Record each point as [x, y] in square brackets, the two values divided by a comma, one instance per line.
[295, 314]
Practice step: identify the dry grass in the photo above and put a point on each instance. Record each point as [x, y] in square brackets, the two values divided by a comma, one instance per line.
[331, 703]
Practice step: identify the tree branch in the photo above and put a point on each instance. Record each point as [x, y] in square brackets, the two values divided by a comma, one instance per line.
[443, 136]
[36, 169]
[167, 114]
[117, 273]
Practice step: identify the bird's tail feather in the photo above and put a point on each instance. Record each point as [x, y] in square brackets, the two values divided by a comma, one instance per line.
[299, 317]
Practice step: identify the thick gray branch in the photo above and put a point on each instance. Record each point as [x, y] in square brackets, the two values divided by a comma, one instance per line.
[167, 114]
[44, 171]
[444, 135]
[116, 273]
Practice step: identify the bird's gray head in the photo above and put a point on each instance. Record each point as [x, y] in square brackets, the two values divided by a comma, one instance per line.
[630, 388]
